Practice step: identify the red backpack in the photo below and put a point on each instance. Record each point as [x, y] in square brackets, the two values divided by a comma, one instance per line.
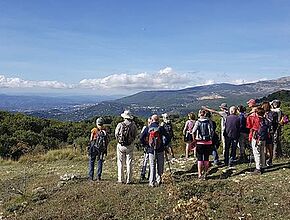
[154, 137]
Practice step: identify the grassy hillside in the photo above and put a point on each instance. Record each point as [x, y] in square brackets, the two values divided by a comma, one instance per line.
[32, 189]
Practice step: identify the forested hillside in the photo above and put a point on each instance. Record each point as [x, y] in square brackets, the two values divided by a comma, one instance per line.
[21, 134]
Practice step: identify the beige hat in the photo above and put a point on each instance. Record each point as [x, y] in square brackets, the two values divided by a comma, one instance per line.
[127, 115]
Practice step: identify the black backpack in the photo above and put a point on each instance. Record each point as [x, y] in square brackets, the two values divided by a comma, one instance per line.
[124, 137]
[169, 130]
[205, 130]
[99, 145]
[273, 121]
[263, 132]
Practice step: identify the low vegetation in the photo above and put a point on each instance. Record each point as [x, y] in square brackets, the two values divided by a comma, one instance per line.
[55, 186]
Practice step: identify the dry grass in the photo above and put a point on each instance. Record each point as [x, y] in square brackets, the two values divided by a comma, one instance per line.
[31, 189]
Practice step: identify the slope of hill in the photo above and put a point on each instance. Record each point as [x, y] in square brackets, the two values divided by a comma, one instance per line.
[46, 187]
[185, 100]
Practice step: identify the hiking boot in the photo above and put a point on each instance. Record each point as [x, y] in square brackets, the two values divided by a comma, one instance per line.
[256, 172]
[269, 163]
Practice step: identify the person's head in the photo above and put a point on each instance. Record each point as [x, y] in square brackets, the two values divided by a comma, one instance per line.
[276, 103]
[155, 118]
[241, 108]
[266, 106]
[165, 117]
[100, 122]
[149, 120]
[202, 113]
[251, 103]
[208, 114]
[233, 110]
[127, 115]
[191, 116]
[260, 111]
[224, 106]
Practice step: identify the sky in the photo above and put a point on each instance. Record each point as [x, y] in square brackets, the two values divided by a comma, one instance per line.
[120, 47]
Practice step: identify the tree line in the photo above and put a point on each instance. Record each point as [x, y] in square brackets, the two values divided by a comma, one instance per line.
[21, 134]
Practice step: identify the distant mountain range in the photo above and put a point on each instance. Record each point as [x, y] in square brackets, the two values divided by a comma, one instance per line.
[172, 101]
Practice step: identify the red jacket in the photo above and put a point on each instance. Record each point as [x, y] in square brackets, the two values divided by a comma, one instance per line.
[253, 123]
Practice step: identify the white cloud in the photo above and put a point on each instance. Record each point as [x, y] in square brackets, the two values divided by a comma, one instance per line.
[20, 83]
[164, 79]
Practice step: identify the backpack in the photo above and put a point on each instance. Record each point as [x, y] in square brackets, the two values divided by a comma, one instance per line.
[272, 118]
[169, 130]
[205, 130]
[263, 132]
[99, 145]
[154, 139]
[124, 137]
[188, 135]
[243, 123]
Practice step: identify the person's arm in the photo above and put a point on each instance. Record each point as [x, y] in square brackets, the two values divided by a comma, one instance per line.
[210, 110]
[117, 130]
[185, 127]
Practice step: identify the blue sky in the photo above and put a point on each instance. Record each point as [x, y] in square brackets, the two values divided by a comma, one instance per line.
[122, 47]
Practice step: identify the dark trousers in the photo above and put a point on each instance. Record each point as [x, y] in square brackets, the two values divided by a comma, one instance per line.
[230, 150]
[93, 158]
[203, 151]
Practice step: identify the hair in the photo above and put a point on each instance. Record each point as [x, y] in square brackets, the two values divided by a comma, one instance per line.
[266, 106]
[208, 114]
[241, 108]
[202, 113]
[260, 111]
[233, 110]
[191, 116]
[276, 103]
[149, 120]
[155, 118]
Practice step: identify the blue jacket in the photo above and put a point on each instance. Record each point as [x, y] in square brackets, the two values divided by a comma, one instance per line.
[164, 137]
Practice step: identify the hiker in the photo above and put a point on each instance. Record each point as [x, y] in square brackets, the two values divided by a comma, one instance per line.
[223, 114]
[156, 148]
[187, 133]
[258, 126]
[215, 140]
[97, 148]
[243, 141]
[252, 105]
[145, 145]
[203, 133]
[166, 123]
[277, 148]
[231, 134]
[272, 118]
[125, 134]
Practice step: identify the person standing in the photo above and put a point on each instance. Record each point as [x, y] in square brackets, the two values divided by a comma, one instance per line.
[231, 133]
[223, 113]
[272, 118]
[203, 133]
[277, 148]
[167, 125]
[125, 134]
[215, 140]
[98, 149]
[145, 145]
[258, 126]
[155, 134]
[244, 133]
[187, 133]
